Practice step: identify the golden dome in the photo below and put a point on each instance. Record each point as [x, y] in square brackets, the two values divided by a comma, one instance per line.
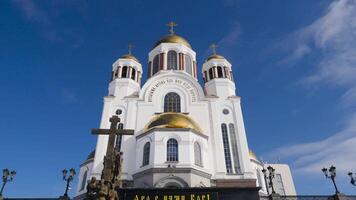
[173, 38]
[215, 56]
[129, 56]
[253, 155]
[172, 120]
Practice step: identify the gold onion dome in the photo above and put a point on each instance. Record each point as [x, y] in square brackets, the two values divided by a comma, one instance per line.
[215, 56]
[173, 120]
[129, 56]
[173, 38]
[253, 155]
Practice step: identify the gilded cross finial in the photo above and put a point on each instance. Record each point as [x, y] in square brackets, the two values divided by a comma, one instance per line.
[130, 46]
[171, 25]
[213, 48]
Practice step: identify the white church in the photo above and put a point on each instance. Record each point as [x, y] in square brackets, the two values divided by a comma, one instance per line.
[185, 134]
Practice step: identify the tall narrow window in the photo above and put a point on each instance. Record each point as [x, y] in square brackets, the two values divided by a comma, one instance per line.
[146, 154]
[172, 150]
[206, 76]
[226, 149]
[220, 72]
[119, 137]
[197, 154]
[188, 64]
[172, 60]
[211, 73]
[172, 102]
[84, 180]
[234, 148]
[231, 76]
[124, 72]
[155, 64]
[133, 74]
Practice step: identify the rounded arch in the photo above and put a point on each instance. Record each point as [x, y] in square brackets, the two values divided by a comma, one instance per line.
[172, 150]
[170, 181]
[156, 83]
[172, 60]
[172, 102]
[155, 65]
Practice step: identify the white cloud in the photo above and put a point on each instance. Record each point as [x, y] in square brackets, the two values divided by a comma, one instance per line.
[333, 35]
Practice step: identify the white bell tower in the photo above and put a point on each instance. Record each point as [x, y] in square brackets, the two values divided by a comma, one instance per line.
[218, 76]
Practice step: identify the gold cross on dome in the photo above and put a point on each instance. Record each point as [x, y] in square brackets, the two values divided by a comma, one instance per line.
[171, 25]
[130, 46]
[213, 48]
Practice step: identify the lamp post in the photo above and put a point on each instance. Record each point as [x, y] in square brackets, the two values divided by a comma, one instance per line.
[68, 179]
[353, 178]
[7, 176]
[331, 173]
[269, 176]
[264, 171]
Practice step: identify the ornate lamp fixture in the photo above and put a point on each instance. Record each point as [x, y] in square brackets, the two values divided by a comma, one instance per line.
[331, 173]
[269, 175]
[7, 176]
[68, 179]
[353, 178]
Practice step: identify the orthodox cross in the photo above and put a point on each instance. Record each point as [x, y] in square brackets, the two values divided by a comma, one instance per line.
[130, 46]
[111, 157]
[213, 48]
[171, 25]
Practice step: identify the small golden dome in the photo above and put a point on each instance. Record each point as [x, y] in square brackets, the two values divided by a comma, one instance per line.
[253, 155]
[173, 38]
[215, 56]
[172, 120]
[129, 56]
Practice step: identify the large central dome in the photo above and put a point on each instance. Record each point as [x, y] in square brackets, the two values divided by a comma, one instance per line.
[173, 38]
[173, 120]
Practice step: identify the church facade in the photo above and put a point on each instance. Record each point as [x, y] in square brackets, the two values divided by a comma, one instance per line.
[185, 134]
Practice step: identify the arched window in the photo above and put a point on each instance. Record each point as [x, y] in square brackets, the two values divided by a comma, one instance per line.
[84, 180]
[172, 150]
[146, 154]
[226, 149]
[124, 72]
[188, 64]
[234, 148]
[172, 60]
[155, 64]
[211, 73]
[133, 74]
[172, 102]
[220, 72]
[197, 154]
[119, 137]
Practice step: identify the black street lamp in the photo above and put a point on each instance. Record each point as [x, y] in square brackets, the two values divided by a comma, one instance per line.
[269, 176]
[331, 174]
[353, 178]
[7, 176]
[68, 179]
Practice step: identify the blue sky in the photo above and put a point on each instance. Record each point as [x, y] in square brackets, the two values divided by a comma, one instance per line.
[294, 64]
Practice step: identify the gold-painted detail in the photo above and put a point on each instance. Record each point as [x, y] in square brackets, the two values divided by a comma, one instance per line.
[215, 56]
[171, 25]
[253, 155]
[173, 38]
[172, 120]
[128, 56]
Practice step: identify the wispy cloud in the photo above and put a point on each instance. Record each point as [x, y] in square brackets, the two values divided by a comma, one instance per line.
[333, 36]
[35, 14]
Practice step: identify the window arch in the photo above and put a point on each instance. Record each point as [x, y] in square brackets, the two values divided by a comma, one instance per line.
[84, 180]
[172, 102]
[172, 150]
[133, 74]
[155, 64]
[234, 148]
[188, 64]
[226, 148]
[211, 74]
[172, 60]
[124, 72]
[146, 154]
[197, 154]
[220, 72]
